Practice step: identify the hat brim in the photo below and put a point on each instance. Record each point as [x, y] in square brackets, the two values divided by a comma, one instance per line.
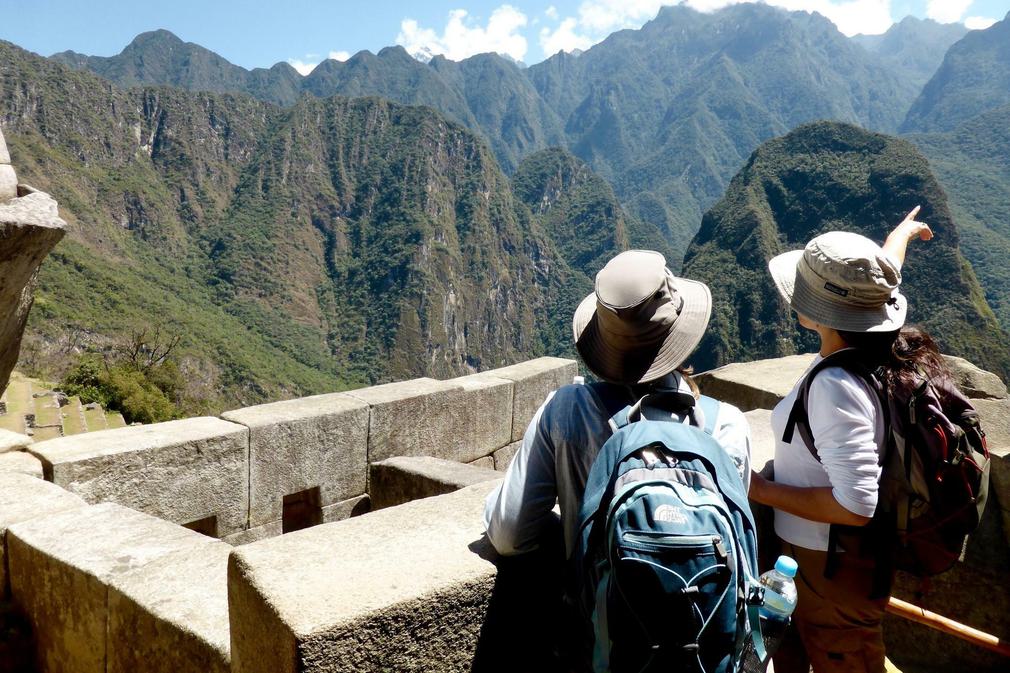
[828, 312]
[618, 365]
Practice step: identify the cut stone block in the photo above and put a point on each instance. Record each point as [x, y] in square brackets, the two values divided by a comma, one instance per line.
[402, 479]
[348, 508]
[23, 497]
[5, 157]
[267, 530]
[295, 445]
[405, 588]
[502, 457]
[754, 385]
[487, 462]
[13, 441]
[762, 438]
[534, 380]
[61, 567]
[996, 423]
[973, 381]
[486, 403]
[180, 471]
[21, 462]
[171, 615]
[8, 183]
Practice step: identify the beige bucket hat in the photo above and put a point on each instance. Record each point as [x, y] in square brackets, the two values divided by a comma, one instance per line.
[844, 281]
[642, 322]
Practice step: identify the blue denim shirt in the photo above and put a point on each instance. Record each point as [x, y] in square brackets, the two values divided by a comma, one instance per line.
[557, 452]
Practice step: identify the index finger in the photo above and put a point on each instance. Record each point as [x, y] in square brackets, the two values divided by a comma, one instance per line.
[915, 211]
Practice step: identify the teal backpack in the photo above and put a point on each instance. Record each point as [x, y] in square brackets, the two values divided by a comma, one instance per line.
[666, 561]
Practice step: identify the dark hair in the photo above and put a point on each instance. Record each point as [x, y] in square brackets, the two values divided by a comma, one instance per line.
[903, 354]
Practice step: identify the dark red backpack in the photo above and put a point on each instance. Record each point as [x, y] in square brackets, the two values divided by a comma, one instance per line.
[934, 479]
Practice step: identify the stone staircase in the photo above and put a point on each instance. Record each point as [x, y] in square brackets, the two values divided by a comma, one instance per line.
[32, 408]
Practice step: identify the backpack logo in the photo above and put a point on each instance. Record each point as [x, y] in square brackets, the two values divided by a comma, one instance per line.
[670, 514]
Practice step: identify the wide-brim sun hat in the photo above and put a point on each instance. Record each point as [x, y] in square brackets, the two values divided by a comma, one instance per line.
[641, 322]
[844, 281]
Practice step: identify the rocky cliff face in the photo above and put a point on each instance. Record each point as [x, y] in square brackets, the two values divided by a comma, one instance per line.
[823, 177]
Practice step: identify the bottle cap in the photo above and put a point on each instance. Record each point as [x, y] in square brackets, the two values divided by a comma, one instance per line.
[786, 565]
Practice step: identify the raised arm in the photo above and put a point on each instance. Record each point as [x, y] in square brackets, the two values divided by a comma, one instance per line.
[909, 229]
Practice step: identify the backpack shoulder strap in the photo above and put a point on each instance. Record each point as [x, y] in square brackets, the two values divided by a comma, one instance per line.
[709, 407]
[851, 361]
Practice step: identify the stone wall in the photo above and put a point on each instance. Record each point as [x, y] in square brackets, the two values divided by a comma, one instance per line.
[409, 587]
[259, 471]
[98, 567]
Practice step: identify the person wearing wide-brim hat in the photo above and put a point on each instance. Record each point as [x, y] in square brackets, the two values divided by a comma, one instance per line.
[845, 287]
[634, 333]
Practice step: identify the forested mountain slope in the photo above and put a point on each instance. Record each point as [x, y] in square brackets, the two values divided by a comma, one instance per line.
[974, 78]
[914, 47]
[822, 177]
[666, 113]
[331, 243]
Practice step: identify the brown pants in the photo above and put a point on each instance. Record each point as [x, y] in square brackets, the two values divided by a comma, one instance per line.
[839, 626]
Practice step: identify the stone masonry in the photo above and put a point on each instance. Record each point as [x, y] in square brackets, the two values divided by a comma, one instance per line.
[408, 587]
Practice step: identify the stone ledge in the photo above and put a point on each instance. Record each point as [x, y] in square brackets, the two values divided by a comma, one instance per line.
[62, 565]
[410, 418]
[534, 380]
[404, 588]
[204, 459]
[762, 438]
[13, 441]
[399, 480]
[760, 384]
[975, 382]
[172, 614]
[22, 498]
[21, 462]
[294, 445]
[503, 456]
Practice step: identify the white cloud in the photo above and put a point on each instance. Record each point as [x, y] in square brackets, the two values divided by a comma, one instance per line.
[462, 38]
[304, 67]
[563, 38]
[596, 19]
[551, 13]
[301, 66]
[979, 22]
[947, 11]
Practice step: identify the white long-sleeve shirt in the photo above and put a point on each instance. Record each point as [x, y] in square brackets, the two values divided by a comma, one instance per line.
[847, 424]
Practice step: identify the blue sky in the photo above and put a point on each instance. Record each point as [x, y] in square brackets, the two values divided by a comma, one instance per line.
[303, 32]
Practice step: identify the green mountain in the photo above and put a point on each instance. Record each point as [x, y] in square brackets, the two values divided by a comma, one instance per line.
[973, 165]
[667, 113]
[914, 47]
[328, 244]
[830, 176]
[974, 78]
[160, 58]
[487, 93]
[579, 211]
[671, 111]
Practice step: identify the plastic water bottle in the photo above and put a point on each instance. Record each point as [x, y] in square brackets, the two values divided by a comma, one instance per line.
[780, 601]
[579, 380]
